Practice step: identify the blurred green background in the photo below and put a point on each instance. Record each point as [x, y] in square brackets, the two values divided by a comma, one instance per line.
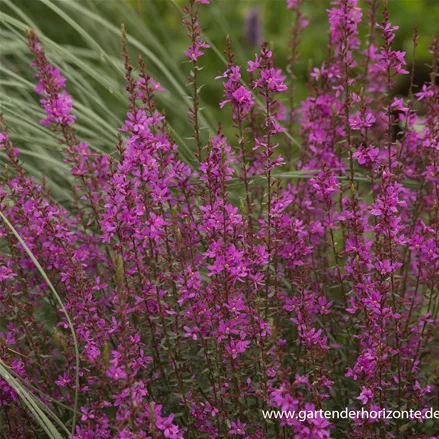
[83, 38]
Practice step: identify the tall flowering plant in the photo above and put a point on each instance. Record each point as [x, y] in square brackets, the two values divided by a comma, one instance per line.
[174, 308]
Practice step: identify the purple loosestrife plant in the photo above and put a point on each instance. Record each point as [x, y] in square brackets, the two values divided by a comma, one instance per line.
[313, 287]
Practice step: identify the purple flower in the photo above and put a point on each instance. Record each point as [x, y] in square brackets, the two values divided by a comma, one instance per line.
[360, 121]
[366, 395]
[237, 428]
[194, 52]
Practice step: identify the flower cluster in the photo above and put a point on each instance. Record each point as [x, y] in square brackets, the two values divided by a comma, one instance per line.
[173, 300]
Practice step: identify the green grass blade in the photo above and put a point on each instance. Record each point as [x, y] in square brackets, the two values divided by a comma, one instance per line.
[30, 401]
[58, 298]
